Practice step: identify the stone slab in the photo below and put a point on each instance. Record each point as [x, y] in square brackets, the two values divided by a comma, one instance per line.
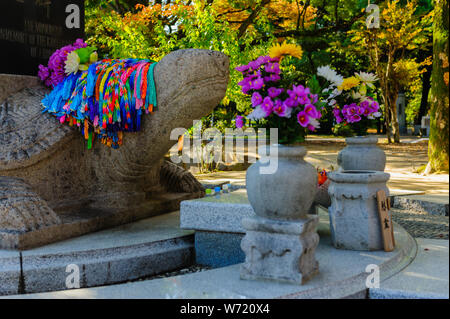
[218, 249]
[10, 279]
[426, 277]
[84, 221]
[342, 274]
[222, 213]
[147, 247]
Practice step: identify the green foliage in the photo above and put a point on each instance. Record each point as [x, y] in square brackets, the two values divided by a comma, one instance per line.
[119, 29]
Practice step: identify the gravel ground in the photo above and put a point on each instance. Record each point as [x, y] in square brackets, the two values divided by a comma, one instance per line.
[420, 224]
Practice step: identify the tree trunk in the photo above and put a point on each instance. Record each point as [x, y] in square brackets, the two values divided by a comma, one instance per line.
[438, 148]
[394, 120]
[426, 85]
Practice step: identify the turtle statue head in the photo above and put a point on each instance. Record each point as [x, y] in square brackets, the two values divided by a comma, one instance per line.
[193, 81]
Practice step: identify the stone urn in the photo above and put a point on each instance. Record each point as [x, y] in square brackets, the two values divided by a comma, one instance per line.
[354, 219]
[362, 153]
[281, 185]
[280, 242]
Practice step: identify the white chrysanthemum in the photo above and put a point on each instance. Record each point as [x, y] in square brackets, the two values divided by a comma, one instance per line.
[330, 74]
[366, 77]
[374, 115]
[72, 63]
[314, 122]
[257, 113]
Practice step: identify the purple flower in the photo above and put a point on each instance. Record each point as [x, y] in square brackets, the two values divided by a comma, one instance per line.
[290, 102]
[359, 110]
[302, 118]
[365, 104]
[354, 118]
[43, 73]
[281, 109]
[254, 65]
[313, 98]
[273, 68]
[375, 106]
[274, 92]
[272, 78]
[267, 105]
[350, 109]
[300, 90]
[79, 43]
[256, 99]
[263, 59]
[303, 99]
[276, 59]
[245, 84]
[337, 115]
[311, 111]
[239, 121]
[256, 84]
[242, 68]
[255, 74]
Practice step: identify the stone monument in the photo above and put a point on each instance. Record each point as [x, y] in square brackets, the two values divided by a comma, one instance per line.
[54, 188]
[31, 30]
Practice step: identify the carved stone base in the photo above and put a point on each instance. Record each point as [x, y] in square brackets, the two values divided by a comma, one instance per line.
[280, 250]
[354, 219]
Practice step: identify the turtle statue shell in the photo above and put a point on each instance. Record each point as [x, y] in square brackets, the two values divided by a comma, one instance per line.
[26, 135]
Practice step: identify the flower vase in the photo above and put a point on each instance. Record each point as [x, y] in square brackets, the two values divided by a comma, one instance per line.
[280, 241]
[362, 153]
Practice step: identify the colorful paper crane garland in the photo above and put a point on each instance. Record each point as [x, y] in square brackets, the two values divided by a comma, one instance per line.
[106, 100]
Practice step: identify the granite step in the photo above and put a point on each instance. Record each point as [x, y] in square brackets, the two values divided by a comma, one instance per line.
[131, 251]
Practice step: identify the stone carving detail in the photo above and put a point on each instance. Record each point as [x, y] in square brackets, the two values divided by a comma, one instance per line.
[55, 162]
[281, 250]
[21, 210]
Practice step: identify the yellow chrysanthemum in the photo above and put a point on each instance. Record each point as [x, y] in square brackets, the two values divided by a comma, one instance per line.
[280, 50]
[348, 83]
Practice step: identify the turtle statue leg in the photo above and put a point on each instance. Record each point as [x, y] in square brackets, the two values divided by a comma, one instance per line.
[23, 212]
[177, 179]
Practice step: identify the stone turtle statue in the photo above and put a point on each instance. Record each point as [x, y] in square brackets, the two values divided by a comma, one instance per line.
[52, 187]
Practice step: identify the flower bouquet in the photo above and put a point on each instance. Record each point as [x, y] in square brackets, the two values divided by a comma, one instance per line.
[350, 99]
[293, 107]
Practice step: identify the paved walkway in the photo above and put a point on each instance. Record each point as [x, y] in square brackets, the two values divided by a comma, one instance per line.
[402, 161]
